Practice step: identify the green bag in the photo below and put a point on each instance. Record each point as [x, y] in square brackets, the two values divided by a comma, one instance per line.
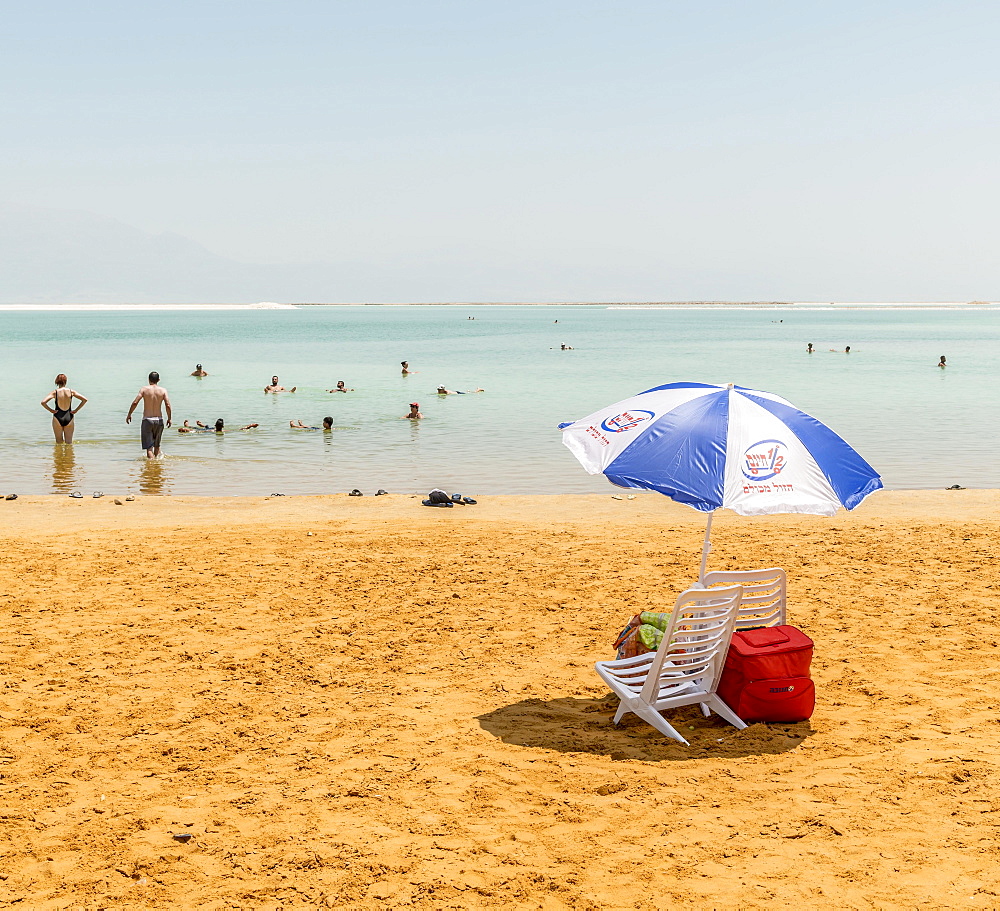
[660, 621]
[650, 636]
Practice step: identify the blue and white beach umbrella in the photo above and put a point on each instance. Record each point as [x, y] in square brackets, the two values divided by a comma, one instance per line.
[722, 447]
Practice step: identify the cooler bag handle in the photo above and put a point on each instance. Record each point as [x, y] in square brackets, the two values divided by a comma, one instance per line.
[761, 638]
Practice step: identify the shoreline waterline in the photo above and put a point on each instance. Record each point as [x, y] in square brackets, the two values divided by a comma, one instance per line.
[607, 509]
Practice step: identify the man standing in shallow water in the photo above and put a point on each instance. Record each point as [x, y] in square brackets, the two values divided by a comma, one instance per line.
[154, 399]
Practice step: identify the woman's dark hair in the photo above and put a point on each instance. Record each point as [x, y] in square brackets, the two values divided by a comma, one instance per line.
[219, 424]
[328, 420]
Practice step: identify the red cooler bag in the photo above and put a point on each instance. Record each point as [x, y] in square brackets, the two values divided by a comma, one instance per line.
[766, 675]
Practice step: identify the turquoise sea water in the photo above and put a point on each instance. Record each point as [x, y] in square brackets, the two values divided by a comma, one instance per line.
[920, 426]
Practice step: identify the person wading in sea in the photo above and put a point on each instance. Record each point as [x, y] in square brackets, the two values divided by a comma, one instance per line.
[154, 399]
[62, 409]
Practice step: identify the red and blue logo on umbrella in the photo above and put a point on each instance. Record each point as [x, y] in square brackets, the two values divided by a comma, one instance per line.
[765, 460]
[627, 420]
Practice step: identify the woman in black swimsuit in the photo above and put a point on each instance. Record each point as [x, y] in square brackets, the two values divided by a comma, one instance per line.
[62, 409]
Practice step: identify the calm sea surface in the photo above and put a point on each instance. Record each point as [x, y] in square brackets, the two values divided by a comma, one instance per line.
[921, 427]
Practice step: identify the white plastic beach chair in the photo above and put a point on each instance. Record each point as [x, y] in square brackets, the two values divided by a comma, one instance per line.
[764, 595]
[685, 669]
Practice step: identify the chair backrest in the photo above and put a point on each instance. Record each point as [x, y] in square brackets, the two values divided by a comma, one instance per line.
[695, 643]
[764, 595]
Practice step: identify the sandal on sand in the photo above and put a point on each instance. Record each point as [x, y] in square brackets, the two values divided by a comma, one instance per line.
[98, 494]
[11, 496]
[446, 505]
[76, 495]
[457, 498]
[381, 493]
[469, 501]
[129, 499]
[355, 493]
[277, 494]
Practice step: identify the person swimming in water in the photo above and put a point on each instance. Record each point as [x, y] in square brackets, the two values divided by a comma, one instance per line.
[62, 409]
[198, 371]
[276, 387]
[327, 425]
[341, 387]
[441, 390]
[218, 427]
[941, 363]
[406, 368]
[414, 414]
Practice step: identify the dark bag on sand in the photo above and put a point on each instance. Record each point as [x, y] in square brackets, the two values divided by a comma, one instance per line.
[766, 675]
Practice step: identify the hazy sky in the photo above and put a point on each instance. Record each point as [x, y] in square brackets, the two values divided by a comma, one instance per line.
[528, 150]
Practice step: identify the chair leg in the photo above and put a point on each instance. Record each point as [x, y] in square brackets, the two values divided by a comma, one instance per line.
[705, 710]
[724, 711]
[648, 714]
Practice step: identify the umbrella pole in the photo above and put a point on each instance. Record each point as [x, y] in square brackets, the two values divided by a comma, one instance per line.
[706, 547]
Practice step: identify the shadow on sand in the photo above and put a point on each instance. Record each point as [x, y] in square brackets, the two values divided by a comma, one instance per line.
[578, 725]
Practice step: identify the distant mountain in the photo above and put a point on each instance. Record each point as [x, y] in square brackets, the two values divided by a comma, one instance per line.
[52, 256]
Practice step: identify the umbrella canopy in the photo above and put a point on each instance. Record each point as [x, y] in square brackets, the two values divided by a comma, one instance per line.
[722, 447]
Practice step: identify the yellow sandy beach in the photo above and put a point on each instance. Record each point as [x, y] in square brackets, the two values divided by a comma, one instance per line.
[342, 702]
